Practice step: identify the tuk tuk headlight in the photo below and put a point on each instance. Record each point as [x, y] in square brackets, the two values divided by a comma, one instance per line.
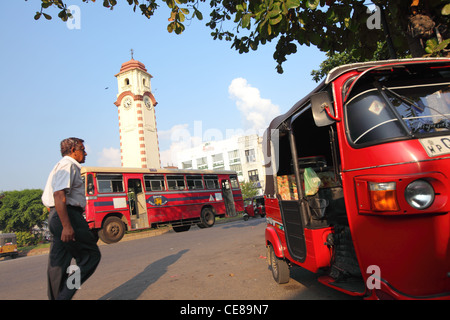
[419, 194]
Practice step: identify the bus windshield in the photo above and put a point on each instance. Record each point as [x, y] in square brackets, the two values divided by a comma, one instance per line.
[387, 112]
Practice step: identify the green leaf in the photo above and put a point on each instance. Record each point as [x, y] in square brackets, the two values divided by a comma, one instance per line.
[239, 7]
[47, 16]
[442, 45]
[37, 16]
[292, 4]
[274, 13]
[446, 10]
[181, 17]
[171, 27]
[246, 21]
[199, 15]
[276, 20]
[179, 28]
[170, 4]
[312, 4]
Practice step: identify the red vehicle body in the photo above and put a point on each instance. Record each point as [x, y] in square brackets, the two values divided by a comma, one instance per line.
[379, 224]
[120, 199]
[254, 206]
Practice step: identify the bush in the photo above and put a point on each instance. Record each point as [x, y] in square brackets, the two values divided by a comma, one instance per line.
[25, 239]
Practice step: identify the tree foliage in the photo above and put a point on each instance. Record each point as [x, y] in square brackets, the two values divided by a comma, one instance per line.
[22, 210]
[333, 26]
[249, 189]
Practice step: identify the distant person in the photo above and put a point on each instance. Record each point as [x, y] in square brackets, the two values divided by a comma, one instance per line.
[71, 238]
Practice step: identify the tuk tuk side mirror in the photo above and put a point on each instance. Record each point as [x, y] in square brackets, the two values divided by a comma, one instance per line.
[322, 109]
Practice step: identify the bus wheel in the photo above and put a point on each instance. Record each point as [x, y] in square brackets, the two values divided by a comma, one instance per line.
[207, 218]
[112, 231]
[280, 269]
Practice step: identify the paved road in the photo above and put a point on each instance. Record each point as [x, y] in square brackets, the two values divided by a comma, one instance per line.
[226, 262]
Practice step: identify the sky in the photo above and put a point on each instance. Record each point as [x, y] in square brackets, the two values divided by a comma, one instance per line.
[57, 81]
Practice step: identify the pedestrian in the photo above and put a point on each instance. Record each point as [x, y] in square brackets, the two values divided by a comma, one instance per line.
[71, 238]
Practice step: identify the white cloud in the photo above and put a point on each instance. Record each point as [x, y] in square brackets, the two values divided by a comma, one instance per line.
[256, 111]
[109, 157]
[177, 138]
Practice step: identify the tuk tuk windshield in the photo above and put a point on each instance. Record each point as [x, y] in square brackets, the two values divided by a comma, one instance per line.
[383, 111]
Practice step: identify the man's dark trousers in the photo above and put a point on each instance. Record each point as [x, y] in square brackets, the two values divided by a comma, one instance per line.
[84, 250]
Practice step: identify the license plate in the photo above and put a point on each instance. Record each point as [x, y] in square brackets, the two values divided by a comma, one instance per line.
[436, 146]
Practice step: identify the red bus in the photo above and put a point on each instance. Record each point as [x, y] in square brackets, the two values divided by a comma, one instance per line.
[377, 137]
[120, 199]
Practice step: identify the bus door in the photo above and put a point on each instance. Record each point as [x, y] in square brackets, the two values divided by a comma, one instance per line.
[228, 198]
[137, 204]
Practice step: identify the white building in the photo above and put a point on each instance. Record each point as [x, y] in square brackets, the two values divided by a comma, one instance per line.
[242, 154]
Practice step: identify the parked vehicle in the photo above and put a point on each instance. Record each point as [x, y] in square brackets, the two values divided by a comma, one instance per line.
[254, 207]
[120, 199]
[377, 223]
[8, 245]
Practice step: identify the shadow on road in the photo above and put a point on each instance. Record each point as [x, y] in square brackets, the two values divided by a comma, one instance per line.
[243, 224]
[133, 288]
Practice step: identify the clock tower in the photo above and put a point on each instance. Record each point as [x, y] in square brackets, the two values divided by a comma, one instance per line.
[137, 122]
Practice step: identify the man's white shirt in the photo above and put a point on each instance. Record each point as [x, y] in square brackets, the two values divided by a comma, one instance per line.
[65, 176]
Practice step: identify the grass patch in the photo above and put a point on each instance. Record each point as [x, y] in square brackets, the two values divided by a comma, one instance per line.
[38, 246]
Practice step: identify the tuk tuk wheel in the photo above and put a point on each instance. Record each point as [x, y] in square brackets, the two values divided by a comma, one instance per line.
[280, 268]
[112, 231]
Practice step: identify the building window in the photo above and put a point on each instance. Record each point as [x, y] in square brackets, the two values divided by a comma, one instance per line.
[250, 155]
[253, 176]
[202, 163]
[187, 164]
[127, 82]
[218, 161]
[233, 156]
[237, 168]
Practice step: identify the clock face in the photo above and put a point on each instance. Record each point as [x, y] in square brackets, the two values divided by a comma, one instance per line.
[148, 103]
[127, 103]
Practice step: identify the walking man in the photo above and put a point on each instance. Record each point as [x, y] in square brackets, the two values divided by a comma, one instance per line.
[71, 238]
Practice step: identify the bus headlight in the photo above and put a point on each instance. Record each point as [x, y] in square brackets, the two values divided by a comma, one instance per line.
[419, 194]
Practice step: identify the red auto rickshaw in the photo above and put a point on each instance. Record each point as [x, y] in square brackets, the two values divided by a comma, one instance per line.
[358, 181]
[254, 207]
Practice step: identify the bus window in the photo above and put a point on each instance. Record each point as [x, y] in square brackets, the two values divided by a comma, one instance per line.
[194, 182]
[90, 184]
[212, 182]
[175, 182]
[234, 182]
[154, 183]
[110, 183]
